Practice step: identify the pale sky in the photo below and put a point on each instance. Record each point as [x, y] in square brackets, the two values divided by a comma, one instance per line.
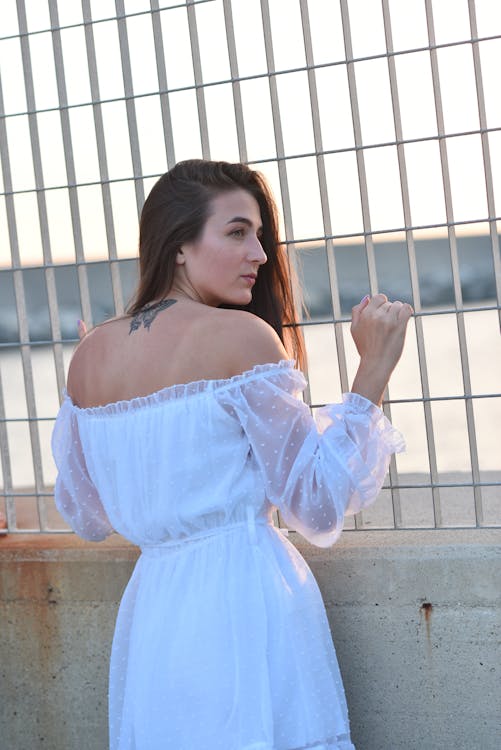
[415, 89]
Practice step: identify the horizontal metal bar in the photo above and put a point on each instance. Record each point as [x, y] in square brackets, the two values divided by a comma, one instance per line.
[299, 241]
[407, 486]
[464, 397]
[383, 144]
[421, 528]
[26, 494]
[422, 400]
[268, 160]
[195, 86]
[398, 485]
[394, 230]
[344, 61]
[302, 324]
[148, 12]
[56, 532]
[430, 485]
[428, 399]
[6, 420]
[420, 314]
[68, 264]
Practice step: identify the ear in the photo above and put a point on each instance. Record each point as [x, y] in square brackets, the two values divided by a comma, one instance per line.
[180, 257]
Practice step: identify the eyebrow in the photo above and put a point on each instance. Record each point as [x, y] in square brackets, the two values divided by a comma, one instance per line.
[243, 220]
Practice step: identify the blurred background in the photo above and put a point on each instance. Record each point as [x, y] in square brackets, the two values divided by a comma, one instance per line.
[378, 126]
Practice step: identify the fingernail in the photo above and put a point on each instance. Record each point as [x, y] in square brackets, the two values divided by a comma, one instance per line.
[363, 299]
[79, 322]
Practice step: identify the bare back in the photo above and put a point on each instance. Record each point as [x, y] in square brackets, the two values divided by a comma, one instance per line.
[183, 342]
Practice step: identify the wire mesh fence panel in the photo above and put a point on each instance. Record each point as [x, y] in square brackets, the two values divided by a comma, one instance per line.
[379, 130]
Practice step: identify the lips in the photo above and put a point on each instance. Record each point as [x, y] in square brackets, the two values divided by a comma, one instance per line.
[251, 280]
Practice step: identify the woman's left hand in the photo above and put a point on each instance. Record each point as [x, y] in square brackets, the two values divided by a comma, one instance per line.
[378, 329]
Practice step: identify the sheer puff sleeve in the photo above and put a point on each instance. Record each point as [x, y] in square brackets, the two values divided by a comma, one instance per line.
[75, 495]
[316, 471]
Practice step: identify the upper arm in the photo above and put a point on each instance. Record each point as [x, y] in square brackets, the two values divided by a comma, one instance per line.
[251, 341]
[83, 371]
[76, 497]
[75, 373]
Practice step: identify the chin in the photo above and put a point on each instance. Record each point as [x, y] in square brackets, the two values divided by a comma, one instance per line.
[237, 300]
[245, 300]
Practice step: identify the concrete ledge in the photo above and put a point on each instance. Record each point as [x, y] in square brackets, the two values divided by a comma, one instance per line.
[415, 617]
[416, 620]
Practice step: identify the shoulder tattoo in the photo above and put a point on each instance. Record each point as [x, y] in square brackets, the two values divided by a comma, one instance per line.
[147, 315]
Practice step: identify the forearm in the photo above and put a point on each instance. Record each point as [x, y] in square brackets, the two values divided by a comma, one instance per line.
[371, 380]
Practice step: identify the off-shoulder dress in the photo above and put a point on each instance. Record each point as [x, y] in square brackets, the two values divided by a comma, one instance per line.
[222, 640]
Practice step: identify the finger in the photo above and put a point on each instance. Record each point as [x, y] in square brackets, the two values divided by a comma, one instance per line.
[378, 300]
[406, 312]
[385, 308]
[364, 301]
[82, 329]
[357, 310]
[395, 308]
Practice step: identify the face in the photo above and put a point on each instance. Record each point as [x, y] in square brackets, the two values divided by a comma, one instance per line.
[222, 264]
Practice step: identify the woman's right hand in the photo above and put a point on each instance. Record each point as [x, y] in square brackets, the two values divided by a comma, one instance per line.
[378, 329]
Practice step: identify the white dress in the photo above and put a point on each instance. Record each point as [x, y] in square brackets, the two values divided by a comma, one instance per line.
[222, 640]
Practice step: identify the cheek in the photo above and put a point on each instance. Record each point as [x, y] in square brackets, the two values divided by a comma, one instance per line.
[227, 263]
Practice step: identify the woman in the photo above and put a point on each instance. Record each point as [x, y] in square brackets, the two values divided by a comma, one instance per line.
[182, 429]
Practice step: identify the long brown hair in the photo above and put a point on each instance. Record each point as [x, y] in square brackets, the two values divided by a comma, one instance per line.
[175, 212]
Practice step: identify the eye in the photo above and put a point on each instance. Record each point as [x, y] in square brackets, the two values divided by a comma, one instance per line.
[237, 233]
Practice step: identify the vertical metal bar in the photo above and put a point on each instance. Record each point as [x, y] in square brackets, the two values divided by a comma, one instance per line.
[279, 145]
[19, 287]
[83, 281]
[496, 258]
[362, 178]
[237, 94]
[357, 129]
[324, 198]
[10, 507]
[470, 420]
[277, 123]
[12, 229]
[129, 103]
[197, 69]
[163, 83]
[49, 272]
[116, 281]
[411, 251]
[279, 141]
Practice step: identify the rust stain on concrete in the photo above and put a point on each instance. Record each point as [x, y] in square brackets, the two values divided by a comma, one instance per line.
[425, 610]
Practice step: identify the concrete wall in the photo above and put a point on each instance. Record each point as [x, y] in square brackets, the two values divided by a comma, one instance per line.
[415, 618]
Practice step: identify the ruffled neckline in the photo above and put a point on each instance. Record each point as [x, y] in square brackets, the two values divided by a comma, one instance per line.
[182, 390]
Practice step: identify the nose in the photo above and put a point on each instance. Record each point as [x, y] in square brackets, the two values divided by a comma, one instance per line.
[256, 251]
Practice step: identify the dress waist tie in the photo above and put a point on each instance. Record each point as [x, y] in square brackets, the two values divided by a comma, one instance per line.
[179, 543]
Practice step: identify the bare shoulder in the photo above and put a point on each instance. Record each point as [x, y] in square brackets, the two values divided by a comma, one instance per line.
[89, 356]
[193, 343]
[248, 340]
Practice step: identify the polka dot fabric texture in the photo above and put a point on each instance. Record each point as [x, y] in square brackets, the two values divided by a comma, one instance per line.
[222, 640]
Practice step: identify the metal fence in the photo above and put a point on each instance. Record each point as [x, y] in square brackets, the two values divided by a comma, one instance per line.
[351, 110]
